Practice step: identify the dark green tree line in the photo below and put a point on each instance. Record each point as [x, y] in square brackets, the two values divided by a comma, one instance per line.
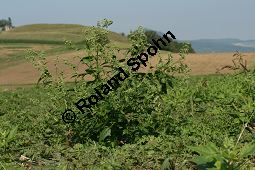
[6, 22]
[173, 46]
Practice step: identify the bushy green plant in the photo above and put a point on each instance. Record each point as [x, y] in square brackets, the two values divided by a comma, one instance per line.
[39, 62]
[229, 157]
[137, 100]
[153, 116]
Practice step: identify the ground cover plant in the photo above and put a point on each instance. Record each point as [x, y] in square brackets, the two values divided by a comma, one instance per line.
[154, 120]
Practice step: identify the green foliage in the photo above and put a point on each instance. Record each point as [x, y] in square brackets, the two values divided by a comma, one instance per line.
[174, 46]
[109, 123]
[148, 122]
[228, 157]
[112, 114]
[4, 22]
[191, 113]
[138, 41]
[10, 21]
[167, 165]
[7, 137]
[39, 62]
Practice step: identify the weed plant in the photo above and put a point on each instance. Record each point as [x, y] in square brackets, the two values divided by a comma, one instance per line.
[154, 120]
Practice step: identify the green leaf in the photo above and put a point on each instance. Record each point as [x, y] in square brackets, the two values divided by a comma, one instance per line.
[12, 134]
[105, 133]
[228, 143]
[167, 165]
[87, 59]
[199, 160]
[198, 100]
[248, 150]
[90, 71]
[218, 164]
[209, 149]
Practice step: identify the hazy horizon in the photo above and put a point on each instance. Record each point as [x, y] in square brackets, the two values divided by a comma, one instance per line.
[201, 19]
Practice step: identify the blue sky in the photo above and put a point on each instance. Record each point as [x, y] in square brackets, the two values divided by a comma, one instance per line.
[186, 19]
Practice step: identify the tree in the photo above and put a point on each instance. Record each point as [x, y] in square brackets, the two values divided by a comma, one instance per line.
[173, 46]
[3, 22]
[10, 21]
[151, 35]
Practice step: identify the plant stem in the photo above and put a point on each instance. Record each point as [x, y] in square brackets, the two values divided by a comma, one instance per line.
[245, 125]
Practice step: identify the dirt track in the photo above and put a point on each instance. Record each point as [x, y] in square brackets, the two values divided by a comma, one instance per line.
[200, 64]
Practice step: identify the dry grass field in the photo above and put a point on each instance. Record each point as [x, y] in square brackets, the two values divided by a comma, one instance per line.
[16, 71]
[200, 64]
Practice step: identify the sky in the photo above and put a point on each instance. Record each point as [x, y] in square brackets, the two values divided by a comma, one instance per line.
[186, 19]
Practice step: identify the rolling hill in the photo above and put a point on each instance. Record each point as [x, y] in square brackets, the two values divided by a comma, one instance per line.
[53, 34]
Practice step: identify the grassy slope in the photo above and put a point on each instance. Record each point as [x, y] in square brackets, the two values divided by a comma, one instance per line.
[52, 33]
[52, 36]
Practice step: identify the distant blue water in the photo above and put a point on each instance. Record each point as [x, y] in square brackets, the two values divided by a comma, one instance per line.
[222, 45]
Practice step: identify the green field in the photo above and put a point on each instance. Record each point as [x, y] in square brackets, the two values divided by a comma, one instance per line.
[151, 121]
[53, 34]
[14, 43]
[191, 114]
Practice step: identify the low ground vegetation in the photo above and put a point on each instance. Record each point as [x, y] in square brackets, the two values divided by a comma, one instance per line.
[154, 120]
